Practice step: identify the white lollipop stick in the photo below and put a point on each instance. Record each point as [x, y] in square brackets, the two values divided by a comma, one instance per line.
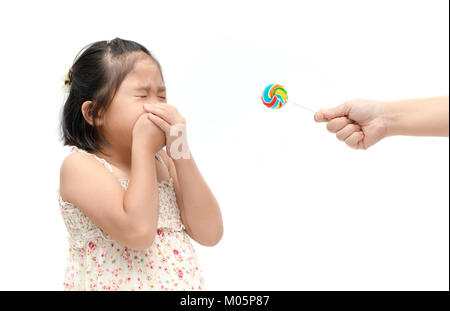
[288, 102]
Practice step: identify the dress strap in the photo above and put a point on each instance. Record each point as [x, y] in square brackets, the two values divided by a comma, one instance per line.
[158, 157]
[101, 160]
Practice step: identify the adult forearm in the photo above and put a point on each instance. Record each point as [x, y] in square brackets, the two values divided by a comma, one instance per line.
[418, 117]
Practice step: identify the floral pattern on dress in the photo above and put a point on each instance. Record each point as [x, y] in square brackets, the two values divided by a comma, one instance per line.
[98, 262]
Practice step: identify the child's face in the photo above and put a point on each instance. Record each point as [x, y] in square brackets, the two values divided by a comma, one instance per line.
[143, 85]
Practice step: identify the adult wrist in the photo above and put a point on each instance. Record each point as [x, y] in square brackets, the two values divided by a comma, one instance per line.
[392, 116]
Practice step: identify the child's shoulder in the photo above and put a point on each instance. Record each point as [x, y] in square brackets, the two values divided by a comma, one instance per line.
[76, 159]
[79, 167]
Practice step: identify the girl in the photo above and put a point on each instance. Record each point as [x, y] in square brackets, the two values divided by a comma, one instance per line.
[128, 204]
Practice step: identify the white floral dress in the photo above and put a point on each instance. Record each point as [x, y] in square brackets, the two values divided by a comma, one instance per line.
[98, 262]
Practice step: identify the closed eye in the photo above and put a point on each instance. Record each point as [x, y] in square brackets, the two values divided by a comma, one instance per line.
[146, 96]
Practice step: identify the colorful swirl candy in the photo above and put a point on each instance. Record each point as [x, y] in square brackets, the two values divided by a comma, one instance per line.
[274, 96]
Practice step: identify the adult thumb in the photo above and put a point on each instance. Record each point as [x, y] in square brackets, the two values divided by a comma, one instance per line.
[338, 111]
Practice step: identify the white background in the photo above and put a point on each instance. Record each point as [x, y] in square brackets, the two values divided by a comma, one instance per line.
[301, 210]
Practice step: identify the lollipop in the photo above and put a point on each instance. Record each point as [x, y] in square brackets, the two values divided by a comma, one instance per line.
[275, 97]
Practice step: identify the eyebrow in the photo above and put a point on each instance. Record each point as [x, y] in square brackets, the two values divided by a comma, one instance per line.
[147, 87]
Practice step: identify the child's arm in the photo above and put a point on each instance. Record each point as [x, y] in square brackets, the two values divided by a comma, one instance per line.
[131, 216]
[199, 209]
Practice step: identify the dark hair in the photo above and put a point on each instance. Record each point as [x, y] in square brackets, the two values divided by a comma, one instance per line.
[96, 75]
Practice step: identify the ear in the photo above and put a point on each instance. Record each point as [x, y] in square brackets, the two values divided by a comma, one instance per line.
[86, 110]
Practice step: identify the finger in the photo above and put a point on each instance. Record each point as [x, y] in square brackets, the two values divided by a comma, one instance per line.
[338, 124]
[161, 123]
[169, 113]
[319, 117]
[348, 130]
[338, 111]
[354, 140]
[162, 113]
[362, 145]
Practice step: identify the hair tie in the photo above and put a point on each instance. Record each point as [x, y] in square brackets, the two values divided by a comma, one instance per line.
[67, 80]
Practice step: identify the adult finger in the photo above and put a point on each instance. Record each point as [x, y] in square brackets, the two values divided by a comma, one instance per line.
[331, 113]
[354, 140]
[338, 124]
[348, 130]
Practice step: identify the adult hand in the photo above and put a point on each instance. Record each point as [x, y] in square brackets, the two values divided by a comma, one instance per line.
[359, 123]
